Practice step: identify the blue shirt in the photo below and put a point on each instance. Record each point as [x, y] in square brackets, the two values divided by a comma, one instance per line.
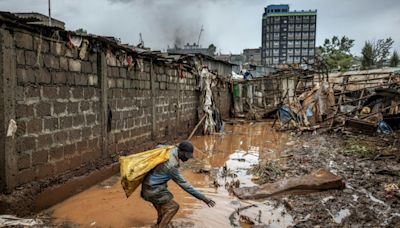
[154, 185]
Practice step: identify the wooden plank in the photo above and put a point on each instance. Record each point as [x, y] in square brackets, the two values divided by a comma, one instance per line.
[316, 181]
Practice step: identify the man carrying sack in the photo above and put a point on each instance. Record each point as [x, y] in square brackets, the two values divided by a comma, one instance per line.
[154, 184]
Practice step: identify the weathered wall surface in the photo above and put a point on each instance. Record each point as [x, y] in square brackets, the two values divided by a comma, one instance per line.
[57, 108]
[76, 113]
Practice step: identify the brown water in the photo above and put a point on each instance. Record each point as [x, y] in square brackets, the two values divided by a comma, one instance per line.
[105, 204]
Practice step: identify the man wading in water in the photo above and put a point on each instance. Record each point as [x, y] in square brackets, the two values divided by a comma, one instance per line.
[154, 185]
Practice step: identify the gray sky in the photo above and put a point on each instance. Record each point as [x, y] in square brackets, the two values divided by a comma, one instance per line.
[231, 25]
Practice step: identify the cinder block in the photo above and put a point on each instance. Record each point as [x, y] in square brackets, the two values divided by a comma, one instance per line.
[75, 135]
[122, 72]
[64, 63]
[64, 92]
[74, 65]
[25, 76]
[93, 80]
[25, 176]
[69, 150]
[56, 48]
[59, 108]
[23, 40]
[72, 107]
[86, 67]
[78, 121]
[56, 153]
[86, 132]
[20, 56]
[45, 171]
[34, 126]
[51, 124]
[84, 106]
[58, 77]
[60, 137]
[43, 76]
[51, 62]
[88, 93]
[66, 122]
[43, 109]
[45, 140]
[42, 44]
[40, 157]
[77, 93]
[25, 143]
[81, 79]
[24, 161]
[31, 58]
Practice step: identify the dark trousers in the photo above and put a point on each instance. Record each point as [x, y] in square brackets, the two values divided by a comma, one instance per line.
[165, 213]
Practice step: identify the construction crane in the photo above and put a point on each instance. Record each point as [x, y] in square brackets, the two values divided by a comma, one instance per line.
[141, 42]
[201, 31]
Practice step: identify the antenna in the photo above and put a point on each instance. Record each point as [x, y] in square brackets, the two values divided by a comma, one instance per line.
[49, 2]
[201, 31]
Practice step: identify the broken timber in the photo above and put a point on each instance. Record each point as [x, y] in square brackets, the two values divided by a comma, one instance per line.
[316, 181]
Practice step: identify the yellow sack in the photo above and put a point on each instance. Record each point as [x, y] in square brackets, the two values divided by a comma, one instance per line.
[133, 168]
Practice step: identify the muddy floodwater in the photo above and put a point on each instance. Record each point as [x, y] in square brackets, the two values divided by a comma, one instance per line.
[221, 160]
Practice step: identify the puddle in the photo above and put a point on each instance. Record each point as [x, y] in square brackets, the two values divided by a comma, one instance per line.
[227, 158]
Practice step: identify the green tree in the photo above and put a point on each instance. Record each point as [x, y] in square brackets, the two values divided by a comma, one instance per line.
[367, 59]
[394, 60]
[378, 56]
[211, 49]
[81, 31]
[336, 53]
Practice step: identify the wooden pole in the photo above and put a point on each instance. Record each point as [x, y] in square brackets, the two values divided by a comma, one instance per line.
[197, 126]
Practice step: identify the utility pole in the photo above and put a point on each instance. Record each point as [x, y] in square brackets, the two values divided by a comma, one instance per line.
[49, 12]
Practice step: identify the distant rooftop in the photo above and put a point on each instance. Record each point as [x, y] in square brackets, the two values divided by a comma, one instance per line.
[283, 10]
[38, 18]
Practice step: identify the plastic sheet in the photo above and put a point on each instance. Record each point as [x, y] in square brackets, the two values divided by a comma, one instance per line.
[134, 168]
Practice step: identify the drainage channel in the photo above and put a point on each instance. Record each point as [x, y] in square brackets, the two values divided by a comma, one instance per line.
[221, 162]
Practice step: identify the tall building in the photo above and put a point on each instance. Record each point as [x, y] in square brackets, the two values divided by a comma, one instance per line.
[288, 37]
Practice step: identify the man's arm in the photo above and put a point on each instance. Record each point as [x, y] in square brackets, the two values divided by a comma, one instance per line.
[180, 180]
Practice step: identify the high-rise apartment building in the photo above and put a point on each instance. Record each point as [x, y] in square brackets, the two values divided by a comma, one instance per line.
[288, 37]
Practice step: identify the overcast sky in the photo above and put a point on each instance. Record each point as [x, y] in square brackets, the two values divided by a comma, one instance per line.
[231, 25]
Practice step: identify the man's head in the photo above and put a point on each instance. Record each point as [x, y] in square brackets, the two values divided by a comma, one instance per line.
[185, 150]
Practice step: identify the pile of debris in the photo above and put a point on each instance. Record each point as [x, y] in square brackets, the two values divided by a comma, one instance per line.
[360, 102]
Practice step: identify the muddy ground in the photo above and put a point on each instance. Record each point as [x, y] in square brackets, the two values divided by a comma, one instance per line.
[370, 167]
[247, 154]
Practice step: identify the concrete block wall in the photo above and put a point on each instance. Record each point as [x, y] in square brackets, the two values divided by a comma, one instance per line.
[57, 108]
[62, 103]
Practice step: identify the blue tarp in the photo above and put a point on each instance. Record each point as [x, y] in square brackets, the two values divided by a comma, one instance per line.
[285, 114]
[384, 128]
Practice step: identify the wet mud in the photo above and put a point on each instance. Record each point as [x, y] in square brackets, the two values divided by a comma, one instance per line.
[219, 161]
[222, 163]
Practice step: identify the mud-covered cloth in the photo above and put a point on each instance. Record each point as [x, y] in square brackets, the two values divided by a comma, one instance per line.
[165, 213]
[154, 185]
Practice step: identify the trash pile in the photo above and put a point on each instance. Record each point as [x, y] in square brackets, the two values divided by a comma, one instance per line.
[364, 103]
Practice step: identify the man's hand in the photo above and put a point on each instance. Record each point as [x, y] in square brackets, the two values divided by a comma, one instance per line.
[209, 202]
